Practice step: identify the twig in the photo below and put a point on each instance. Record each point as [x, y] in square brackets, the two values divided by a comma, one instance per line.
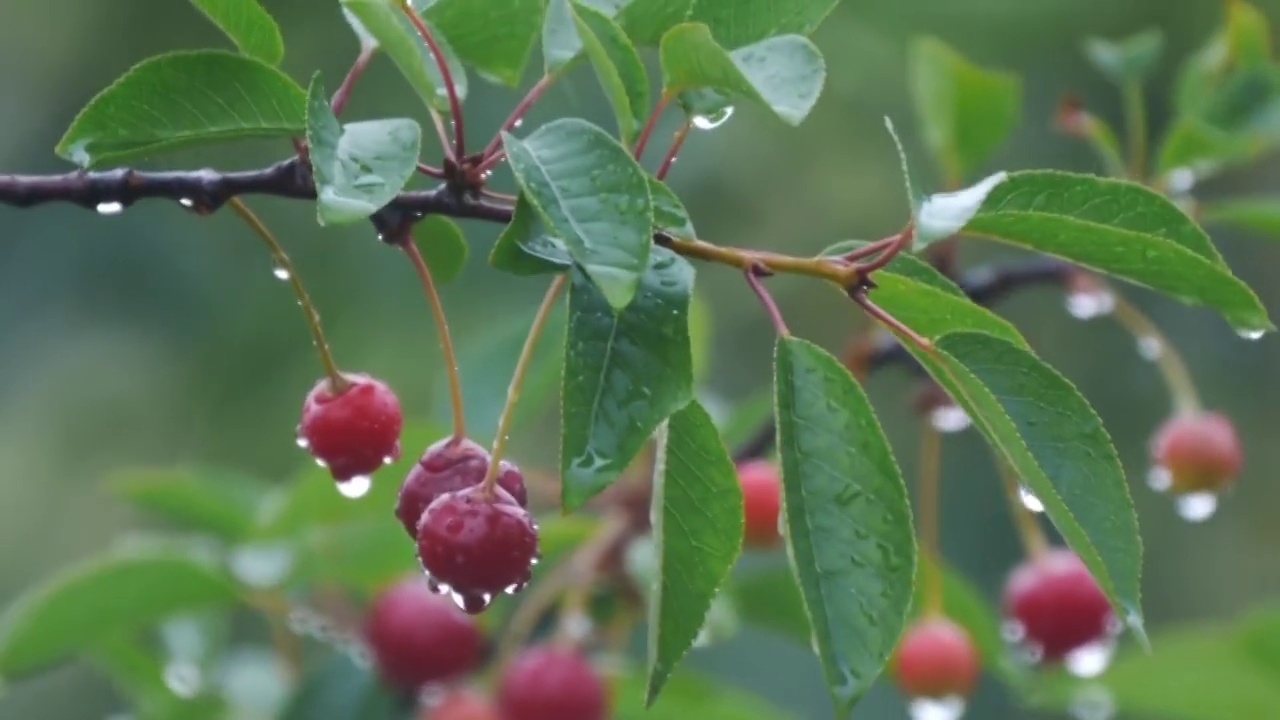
[343, 93]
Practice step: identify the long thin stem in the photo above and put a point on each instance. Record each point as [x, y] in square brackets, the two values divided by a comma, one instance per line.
[446, 341]
[343, 93]
[1135, 114]
[1155, 346]
[899, 242]
[1034, 542]
[893, 323]
[676, 143]
[517, 114]
[446, 76]
[652, 123]
[833, 269]
[930, 527]
[766, 299]
[517, 378]
[431, 172]
[284, 270]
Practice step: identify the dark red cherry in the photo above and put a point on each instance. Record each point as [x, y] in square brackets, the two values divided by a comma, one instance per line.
[937, 659]
[1056, 605]
[1200, 451]
[355, 432]
[552, 683]
[447, 466]
[418, 638]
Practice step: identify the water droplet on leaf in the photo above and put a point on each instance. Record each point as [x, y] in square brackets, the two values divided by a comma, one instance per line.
[1029, 500]
[713, 121]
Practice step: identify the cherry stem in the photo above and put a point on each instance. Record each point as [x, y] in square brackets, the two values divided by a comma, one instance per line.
[676, 143]
[930, 526]
[500, 197]
[753, 275]
[890, 250]
[446, 341]
[1034, 542]
[443, 134]
[893, 323]
[517, 380]
[517, 114]
[446, 75]
[652, 123]
[869, 249]
[1155, 346]
[283, 266]
[431, 172]
[343, 93]
[1135, 115]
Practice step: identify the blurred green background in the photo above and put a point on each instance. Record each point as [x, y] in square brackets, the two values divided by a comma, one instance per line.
[156, 336]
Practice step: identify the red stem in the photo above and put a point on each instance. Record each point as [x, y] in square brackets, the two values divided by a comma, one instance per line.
[455, 107]
[676, 144]
[432, 172]
[652, 123]
[771, 307]
[879, 313]
[517, 114]
[902, 240]
[343, 92]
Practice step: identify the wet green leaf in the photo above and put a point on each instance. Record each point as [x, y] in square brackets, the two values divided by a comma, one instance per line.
[495, 37]
[248, 25]
[618, 67]
[399, 39]
[526, 248]
[669, 214]
[736, 23]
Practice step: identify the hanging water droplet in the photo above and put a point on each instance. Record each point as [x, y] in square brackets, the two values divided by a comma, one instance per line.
[1180, 181]
[713, 121]
[322, 463]
[516, 125]
[576, 626]
[949, 418]
[514, 588]
[281, 273]
[947, 708]
[182, 677]
[302, 442]
[1251, 333]
[1093, 702]
[355, 488]
[1196, 507]
[1013, 631]
[1159, 479]
[187, 202]
[109, 207]
[1150, 348]
[1091, 303]
[1029, 500]
[1090, 661]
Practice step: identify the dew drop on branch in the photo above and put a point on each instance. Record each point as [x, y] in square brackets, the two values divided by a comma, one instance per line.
[280, 272]
[110, 207]
[1150, 347]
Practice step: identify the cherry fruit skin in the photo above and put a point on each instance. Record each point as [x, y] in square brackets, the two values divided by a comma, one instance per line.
[1057, 604]
[476, 545]
[447, 466]
[761, 503]
[1201, 452]
[417, 637]
[462, 705]
[937, 659]
[551, 683]
[355, 432]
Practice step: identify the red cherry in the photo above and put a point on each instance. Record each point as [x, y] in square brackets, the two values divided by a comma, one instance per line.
[447, 466]
[462, 705]
[1057, 604]
[477, 546]
[761, 503]
[1201, 452]
[418, 638]
[354, 433]
[551, 683]
[937, 659]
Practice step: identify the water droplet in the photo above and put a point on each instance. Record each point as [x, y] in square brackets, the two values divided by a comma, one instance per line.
[516, 125]
[1159, 479]
[949, 418]
[1090, 304]
[1090, 661]
[261, 566]
[1246, 333]
[1150, 348]
[280, 273]
[713, 121]
[1029, 500]
[355, 488]
[577, 625]
[947, 708]
[1013, 631]
[321, 463]
[110, 207]
[514, 588]
[187, 202]
[387, 459]
[1180, 181]
[302, 442]
[183, 678]
[1093, 702]
[1196, 507]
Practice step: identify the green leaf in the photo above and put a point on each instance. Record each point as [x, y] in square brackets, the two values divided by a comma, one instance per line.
[1244, 40]
[669, 214]
[646, 21]
[1119, 228]
[339, 688]
[618, 67]
[140, 675]
[592, 195]
[248, 25]
[690, 695]
[395, 33]
[1259, 214]
[966, 112]
[525, 247]
[697, 526]
[736, 23]
[219, 502]
[701, 331]
[1194, 145]
[359, 167]
[70, 612]
[181, 99]
[493, 36]
[1057, 445]
[443, 246]
[784, 73]
[848, 522]
[1129, 61]
[942, 215]
[624, 373]
[363, 555]
[561, 42]
[933, 311]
